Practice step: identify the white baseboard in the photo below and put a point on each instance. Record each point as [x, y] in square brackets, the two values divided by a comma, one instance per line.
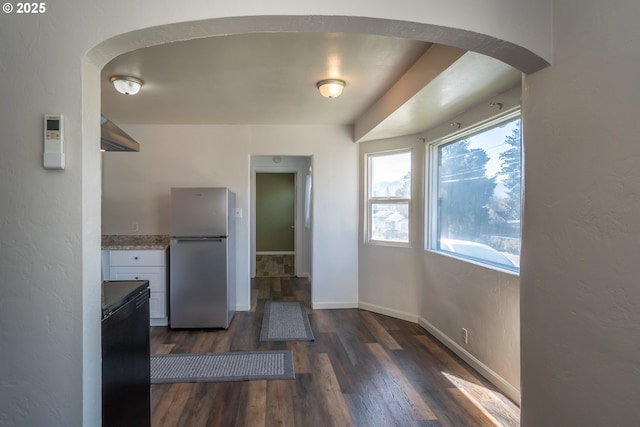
[333, 305]
[512, 392]
[164, 321]
[409, 317]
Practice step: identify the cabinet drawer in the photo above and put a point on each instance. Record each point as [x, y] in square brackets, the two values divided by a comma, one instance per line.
[137, 257]
[155, 275]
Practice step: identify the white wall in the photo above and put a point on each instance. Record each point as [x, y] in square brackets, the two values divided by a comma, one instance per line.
[389, 275]
[50, 240]
[136, 188]
[459, 294]
[580, 294]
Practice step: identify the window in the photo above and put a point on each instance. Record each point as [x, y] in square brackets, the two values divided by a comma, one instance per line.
[389, 197]
[476, 194]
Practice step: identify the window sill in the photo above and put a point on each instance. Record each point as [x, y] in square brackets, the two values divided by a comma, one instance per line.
[514, 272]
[389, 244]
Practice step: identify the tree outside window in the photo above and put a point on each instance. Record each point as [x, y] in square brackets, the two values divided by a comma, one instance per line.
[478, 190]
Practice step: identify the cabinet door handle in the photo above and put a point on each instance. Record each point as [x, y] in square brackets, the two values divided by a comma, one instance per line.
[135, 257]
[137, 277]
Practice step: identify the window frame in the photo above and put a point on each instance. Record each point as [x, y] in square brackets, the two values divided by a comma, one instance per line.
[432, 186]
[371, 200]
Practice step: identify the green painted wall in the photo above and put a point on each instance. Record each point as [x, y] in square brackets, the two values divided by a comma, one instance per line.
[275, 208]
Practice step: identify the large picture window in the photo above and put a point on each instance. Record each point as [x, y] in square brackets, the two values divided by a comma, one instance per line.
[476, 194]
[389, 197]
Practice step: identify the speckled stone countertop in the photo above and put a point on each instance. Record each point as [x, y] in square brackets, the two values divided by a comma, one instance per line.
[117, 241]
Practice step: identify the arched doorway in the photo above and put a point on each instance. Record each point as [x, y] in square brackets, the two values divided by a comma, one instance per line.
[522, 58]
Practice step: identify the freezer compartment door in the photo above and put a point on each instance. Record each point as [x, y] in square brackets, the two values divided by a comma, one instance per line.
[199, 212]
[198, 288]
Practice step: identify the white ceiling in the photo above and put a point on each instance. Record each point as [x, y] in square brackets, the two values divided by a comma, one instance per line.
[393, 86]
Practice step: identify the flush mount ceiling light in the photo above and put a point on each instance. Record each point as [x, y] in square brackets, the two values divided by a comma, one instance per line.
[330, 88]
[126, 84]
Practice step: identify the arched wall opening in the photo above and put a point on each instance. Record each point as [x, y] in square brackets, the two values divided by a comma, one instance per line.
[517, 56]
[508, 52]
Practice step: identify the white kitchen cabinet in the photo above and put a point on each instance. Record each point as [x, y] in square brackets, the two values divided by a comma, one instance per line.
[104, 264]
[147, 264]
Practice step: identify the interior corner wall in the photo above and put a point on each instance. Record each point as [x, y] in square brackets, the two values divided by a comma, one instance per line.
[390, 275]
[580, 295]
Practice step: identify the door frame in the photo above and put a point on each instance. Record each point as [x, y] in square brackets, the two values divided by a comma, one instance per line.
[300, 167]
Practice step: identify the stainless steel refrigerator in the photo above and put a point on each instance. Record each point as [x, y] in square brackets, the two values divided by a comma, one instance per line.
[202, 287]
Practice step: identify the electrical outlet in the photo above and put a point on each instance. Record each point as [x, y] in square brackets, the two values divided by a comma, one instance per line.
[465, 336]
[134, 226]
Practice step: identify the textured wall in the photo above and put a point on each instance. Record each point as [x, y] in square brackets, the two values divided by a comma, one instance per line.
[580, 294]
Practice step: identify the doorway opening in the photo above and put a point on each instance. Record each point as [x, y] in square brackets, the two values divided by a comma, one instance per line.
[275, 224]
[281, 222]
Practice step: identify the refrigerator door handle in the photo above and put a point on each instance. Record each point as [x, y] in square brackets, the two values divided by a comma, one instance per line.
[196, 239]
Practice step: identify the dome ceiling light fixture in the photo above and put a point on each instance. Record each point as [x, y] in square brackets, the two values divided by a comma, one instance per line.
[126, 84]
[330, 88]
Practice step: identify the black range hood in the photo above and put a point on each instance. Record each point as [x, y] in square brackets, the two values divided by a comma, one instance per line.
[113, 138]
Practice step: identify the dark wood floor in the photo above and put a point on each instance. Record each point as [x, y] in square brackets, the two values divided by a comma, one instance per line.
[363, 369]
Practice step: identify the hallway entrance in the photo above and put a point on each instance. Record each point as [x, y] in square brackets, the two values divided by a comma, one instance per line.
[281, 216]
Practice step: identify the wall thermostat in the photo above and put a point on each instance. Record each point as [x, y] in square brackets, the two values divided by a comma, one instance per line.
[53, 141]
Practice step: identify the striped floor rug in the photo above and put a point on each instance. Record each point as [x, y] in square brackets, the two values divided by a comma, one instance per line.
[215, 367]
[285, 321]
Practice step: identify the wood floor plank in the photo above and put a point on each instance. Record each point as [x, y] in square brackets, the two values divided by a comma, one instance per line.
[301, 360]
[485, 400]
[279, 404]
[420, 409]
[367, 412]
[254, 301]
[330, 392]
[164, 349]
[344, 367]
[240, 339]
[254, 411]
[322, 321]
[307, 410]
[206, 341]
[264, 288]
[169, 413]
[202, 401]
[380, 333]
[224, 411]
[477, 414]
